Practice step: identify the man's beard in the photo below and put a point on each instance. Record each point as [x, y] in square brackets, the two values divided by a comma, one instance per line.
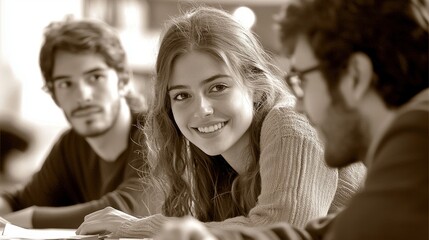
[94, 133]
[346, 135]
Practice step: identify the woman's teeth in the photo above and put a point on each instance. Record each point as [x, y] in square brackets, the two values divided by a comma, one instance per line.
[212, 128]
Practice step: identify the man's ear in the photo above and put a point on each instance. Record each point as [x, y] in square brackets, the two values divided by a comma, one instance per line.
[124, 83]
[123, 87]
[55, 99]
[49, 89]
[356, 81]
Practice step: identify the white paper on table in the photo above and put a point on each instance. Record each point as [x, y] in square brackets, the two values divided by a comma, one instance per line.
[13, 231]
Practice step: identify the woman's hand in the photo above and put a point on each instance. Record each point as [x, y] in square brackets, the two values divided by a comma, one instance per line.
[107, 220]
[186, 228]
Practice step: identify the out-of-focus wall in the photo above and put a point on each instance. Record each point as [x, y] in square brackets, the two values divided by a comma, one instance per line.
[264, 11]
[23, 101]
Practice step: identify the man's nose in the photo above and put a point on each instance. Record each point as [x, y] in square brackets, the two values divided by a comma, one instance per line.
[84, 92]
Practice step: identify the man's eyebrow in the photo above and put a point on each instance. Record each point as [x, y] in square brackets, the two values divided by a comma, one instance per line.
[96, 69]
[205, 81]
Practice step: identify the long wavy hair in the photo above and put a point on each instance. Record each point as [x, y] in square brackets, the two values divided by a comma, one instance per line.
[194, 183]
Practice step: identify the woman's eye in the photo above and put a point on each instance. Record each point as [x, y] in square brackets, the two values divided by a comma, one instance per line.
[181, 96]
[219, 88]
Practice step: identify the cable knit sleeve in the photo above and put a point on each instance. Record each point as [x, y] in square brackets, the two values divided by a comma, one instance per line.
[350, 181]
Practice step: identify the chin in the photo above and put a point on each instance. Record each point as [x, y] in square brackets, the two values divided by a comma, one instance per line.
[93, 134]
[93, 131]
[211, 151]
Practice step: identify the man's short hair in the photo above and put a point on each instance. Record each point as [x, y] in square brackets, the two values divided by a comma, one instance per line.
[82, 36]
[392, 33]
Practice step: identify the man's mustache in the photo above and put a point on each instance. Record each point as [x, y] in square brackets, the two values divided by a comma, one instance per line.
[86, 110]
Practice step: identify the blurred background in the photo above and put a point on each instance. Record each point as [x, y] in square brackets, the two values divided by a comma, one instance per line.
[30, 122]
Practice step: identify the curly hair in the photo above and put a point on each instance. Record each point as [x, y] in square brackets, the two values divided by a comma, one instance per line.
[392, 33]
[192, 181]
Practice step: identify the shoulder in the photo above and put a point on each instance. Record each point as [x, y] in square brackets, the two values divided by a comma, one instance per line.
[404, 145]
[69, 145]
[413, 117]
[409, 130]
[395, 190]
[69, 137]
[411, 120]
[283, 120]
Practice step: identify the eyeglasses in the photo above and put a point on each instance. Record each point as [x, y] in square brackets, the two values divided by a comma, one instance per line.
[295, 79]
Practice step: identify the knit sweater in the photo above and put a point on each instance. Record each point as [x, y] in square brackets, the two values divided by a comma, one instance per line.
[393, 204]
[296, 185]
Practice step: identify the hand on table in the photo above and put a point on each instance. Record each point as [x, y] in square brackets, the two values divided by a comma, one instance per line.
[107, 220]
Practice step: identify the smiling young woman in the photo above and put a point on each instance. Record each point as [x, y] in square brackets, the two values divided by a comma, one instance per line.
[224, 142]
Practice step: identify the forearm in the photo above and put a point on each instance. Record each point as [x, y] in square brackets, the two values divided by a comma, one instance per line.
[21, 218]
[294, 189]
[316, 229]
[5, 207]
[143, 228]
[297, 186]
[350, 181]
[279, 231]
[72, 216]
[60, 217]
[190, 228]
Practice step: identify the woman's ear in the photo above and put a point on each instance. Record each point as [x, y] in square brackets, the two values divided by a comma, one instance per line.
[356, 81]
[257, 97]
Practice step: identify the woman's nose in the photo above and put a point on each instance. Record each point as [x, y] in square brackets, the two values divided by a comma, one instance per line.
[204, 108]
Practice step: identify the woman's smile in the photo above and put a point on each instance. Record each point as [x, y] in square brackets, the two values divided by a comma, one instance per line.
[212, 128]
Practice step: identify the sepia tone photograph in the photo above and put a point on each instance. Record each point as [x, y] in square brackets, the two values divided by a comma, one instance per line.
[214, 119]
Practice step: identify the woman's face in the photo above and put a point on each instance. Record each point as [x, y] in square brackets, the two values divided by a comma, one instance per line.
[210, 107]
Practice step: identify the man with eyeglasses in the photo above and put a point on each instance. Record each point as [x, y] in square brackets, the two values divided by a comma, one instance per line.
[360, 74]
[96, 163]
